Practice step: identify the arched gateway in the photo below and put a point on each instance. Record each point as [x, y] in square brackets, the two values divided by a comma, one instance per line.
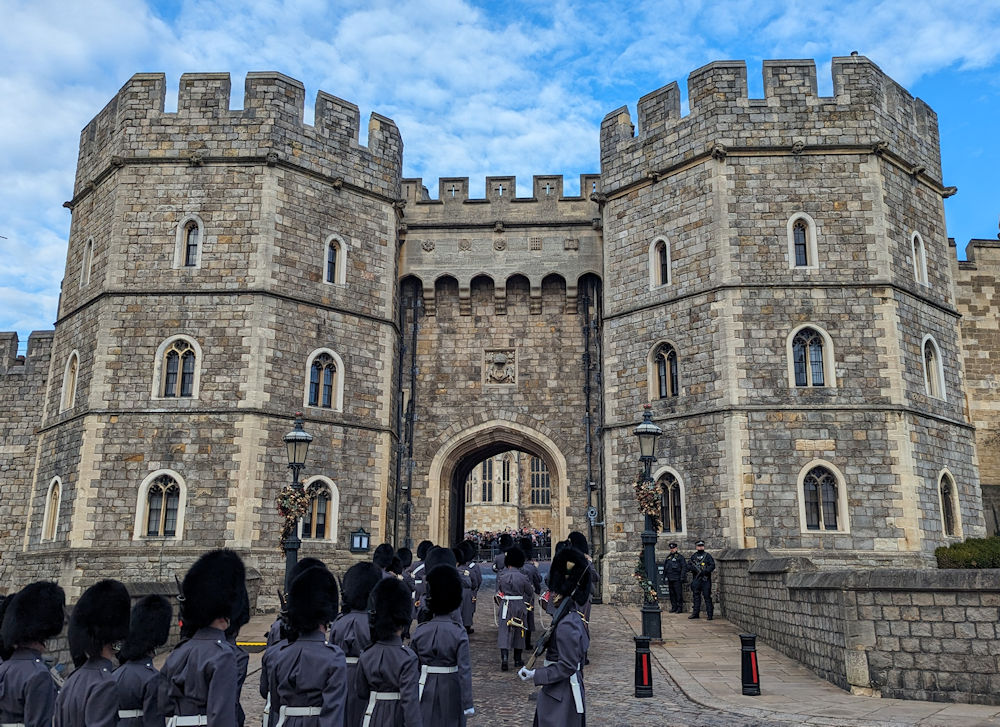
[460, 453]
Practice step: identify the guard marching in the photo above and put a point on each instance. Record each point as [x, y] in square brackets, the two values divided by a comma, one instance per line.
[514, 591]
[701, 566]
[137, 678]
[352, 632]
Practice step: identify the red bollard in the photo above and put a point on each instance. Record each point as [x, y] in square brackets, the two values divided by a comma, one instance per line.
[751, 677]
[643, 667]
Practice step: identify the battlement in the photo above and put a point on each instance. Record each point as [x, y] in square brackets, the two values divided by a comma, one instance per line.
[134, 125]
[867, 107]
[980, 253]
[39, 345]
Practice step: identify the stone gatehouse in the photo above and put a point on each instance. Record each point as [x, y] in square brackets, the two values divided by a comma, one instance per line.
[773, 275]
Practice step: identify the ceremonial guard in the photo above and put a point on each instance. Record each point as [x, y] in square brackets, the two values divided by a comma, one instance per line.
[675, 573]
[475, 571]
[579, 541]
[308, 675]
[33, 615]
[561, 700]
[382, 557]
[417, 571]
[465, 575]
[199, 678]
[530, 569]
[388, 677]
[513, 593]
[439, 556]
[89, 698]
[275, 634]
[352, 632]
[701, 566]
[241, 617]
[136, 678]
[505, 542]
[442, 646]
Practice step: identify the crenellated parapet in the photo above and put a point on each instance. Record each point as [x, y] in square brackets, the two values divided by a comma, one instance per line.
[867, 112]
[269, 129]
[35, 358]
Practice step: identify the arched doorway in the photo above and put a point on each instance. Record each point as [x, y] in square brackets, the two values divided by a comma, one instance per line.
[457, 457]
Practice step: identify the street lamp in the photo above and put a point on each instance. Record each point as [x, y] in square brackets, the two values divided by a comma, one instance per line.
[297, 443]
[647, 432]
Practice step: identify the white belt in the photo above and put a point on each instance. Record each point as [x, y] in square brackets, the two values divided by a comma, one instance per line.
[351, 659]
[376, 697]
[506, 599]
[11, 724]
[425, 670]
[192, 720]
[574, 684]
[129, 713]
[284, 712]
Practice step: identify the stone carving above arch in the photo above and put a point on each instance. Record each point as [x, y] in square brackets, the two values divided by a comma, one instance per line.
[499, 366]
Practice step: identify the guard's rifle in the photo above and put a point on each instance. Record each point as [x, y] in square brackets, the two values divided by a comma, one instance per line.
[565, 605]
[282, 614]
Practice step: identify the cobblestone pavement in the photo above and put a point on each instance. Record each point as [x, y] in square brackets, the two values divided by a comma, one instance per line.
[503, 700]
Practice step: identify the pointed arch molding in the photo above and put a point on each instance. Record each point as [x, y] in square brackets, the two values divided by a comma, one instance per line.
[683, 532]
[812, 247]
[180, 243]
[340, 269]
[333, 508]
[956, 507]
[139, 527]
[476, 437]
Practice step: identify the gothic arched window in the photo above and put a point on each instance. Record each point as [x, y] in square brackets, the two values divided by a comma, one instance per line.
[807, 356]
[919, 258]
[87, 263]
[541, 488]
[70, 376]
[192, 239]
[666, 371]
[162, 506]
[487, 476]
[323, 382]
[659, 263]
[505, 478]
[802, 246]
[671, 503]
[332, 253]
[50, 521]
[179, 362]
[821, 499]
[933, 370]
[948, 508]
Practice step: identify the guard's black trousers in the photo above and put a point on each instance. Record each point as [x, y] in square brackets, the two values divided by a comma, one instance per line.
[676, 595]
[702, 587]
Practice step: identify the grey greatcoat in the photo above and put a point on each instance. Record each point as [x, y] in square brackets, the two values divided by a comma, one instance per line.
[27, 691]
[350, 631]
[242, 662]
[389, 667]
[557, 704]
[89, 698]
[499, 562]
[467, 609]
[138, 682]
[417, 572]
[200, 677]
[518, 591]
[477, 582]
[308, 672]
[595, 585]
[441, 642]
[531, 571]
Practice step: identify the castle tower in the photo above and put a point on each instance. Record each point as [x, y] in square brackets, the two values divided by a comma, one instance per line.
[777, 284]
[226, 268]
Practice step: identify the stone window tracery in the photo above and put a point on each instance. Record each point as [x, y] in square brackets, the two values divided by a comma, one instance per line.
[162, 507]
[179, 363]
[322, 381]
[807, 353]
[505, 478]
[320, 521]
[671, 503]
[541, 487]
[820, 491]
[487, 477]
[666, 371]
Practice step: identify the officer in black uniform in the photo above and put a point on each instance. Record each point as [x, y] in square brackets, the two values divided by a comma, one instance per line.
[701, 565]
[675, 573]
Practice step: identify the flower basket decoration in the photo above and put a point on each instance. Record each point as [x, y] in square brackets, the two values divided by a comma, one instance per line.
[293, 503]
[647, 494]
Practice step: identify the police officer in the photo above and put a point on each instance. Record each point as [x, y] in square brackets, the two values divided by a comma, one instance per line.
[675, 573]
[701, 565]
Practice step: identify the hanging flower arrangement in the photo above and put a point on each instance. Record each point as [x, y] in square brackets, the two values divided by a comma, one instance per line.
[649, 594]
[647, 494]
[292, 503]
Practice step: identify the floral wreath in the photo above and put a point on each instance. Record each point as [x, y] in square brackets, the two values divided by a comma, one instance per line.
[293, 503]
[649, 594]
[647, 494]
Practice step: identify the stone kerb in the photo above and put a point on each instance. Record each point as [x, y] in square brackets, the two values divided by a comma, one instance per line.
[867, 109]
[268, 129]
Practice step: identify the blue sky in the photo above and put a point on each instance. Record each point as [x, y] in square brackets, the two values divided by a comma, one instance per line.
[476, 88]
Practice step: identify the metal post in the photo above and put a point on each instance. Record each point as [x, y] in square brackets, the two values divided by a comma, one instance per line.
[751, 677]
[651, 612]
[643, 667]
[293, 542]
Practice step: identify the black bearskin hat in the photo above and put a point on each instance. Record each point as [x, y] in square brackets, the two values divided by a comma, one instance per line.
[359, 581]
[149, 627]
[100, 617]
[312, 601]
[506, 541]
[470, 550]
[444, 590]
[439, 556]
[560, 545]
[241, 613]
[212, 589]
[390, 600]
[459, 553]
[514, 557]
[425, 545]
[382, 557]
[396, 566]
[579, 541]
[527, 545]
[405, 556]
[35, 613]
[303, 565]
[570, 570]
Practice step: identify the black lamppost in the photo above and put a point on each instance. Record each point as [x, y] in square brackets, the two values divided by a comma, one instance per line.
[297, 443]
[647, 432]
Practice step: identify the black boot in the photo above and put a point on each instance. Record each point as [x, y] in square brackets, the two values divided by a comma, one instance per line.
[518, 661]
[709, 615]
[503, 660]
[527, 641]
[693, 615]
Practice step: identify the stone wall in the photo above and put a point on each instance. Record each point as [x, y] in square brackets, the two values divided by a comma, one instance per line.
[977, 298]
[902, 633]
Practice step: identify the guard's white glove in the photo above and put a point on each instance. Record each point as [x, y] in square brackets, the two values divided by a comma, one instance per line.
[470, 711]
[526, 674]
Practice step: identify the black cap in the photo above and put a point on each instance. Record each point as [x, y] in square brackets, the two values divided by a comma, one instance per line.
[673, 545]
[700, 542]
